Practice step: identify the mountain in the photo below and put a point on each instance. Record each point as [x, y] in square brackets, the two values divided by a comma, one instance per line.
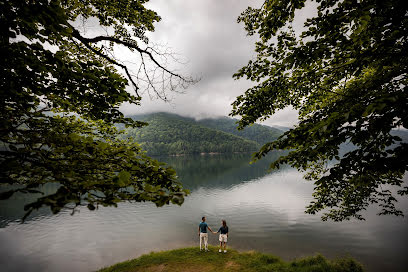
[173, 134]
[284, 129]
[258, 133]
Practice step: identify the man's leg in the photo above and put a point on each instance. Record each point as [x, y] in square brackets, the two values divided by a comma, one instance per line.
[201, 239]
[206, 241]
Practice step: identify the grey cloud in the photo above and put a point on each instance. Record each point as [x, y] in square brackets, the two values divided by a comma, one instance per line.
[207, 34]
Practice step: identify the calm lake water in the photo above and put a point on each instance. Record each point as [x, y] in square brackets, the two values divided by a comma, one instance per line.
[264, 211]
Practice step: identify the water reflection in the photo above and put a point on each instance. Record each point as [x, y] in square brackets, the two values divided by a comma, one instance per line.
[264, 212]
[12, 210]
[217, 170]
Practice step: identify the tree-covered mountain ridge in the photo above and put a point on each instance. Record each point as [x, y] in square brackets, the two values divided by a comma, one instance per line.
[171, 134]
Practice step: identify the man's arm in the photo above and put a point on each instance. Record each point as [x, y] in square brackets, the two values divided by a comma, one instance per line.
[198, 230]
[210, 229]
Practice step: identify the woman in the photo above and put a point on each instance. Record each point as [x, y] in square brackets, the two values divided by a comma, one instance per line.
[223, 230]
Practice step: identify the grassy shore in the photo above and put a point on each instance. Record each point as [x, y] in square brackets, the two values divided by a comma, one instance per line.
[191, 259]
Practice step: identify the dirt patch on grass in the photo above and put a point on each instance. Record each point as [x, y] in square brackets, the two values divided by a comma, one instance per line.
[232, 266]
[177, 267]
[157, 268]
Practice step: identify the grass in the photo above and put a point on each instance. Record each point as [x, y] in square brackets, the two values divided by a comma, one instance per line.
[191, 259]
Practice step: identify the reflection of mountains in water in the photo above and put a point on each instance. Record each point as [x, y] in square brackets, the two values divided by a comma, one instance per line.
[194, 171]
[218, 170]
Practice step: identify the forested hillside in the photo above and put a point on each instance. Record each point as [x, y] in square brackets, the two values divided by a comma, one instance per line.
[258, 133]
[169, 134]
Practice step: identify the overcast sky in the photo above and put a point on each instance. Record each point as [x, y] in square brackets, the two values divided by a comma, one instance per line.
[206, 33]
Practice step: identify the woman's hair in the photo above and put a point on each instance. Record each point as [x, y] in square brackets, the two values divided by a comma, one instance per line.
[224, 223]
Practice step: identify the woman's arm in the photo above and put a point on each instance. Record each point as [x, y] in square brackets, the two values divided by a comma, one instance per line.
[211, 229]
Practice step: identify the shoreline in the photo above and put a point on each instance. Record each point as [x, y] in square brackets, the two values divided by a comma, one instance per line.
[192, 259]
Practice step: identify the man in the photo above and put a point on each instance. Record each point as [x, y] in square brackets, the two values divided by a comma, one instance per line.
[202, 233]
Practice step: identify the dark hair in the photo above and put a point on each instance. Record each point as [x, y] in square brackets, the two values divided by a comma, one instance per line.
[224, 223]
[202, 218]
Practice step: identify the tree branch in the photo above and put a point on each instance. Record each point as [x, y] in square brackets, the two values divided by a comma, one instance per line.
[85, 41]
[132, 45]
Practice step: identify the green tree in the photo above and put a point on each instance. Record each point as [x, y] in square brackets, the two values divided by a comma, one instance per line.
[60, 93]
[346, 74]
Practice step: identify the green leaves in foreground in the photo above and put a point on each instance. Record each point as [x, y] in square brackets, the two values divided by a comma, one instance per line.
[347, 76]
[91, 168]
[60, 93]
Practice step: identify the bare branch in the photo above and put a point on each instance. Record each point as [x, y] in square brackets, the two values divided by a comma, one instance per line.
[150, 79]
[124, 67]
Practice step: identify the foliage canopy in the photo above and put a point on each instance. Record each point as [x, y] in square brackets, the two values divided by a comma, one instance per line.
[347, 76]
[60, 93]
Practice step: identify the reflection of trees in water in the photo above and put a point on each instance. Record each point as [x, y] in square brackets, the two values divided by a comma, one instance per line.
[218, 170]
[194, 171]
[12, 209]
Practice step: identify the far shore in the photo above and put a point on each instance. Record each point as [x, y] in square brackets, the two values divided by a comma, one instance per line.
[205, 153]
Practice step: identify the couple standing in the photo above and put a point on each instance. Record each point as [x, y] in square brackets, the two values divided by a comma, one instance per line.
[223, 230]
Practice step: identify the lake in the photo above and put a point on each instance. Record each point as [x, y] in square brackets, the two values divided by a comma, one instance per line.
[264, 211]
